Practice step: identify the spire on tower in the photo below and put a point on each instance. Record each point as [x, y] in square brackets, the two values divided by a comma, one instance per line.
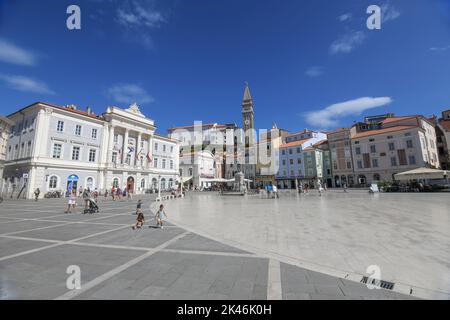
[247, 94]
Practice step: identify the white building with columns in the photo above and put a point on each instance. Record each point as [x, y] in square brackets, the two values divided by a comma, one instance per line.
[57, 148]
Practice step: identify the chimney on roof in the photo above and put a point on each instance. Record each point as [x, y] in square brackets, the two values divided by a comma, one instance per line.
[71, 106]
[89, 110]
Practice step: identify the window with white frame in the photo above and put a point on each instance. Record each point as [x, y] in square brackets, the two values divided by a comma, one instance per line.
[412, 160]
[92, 155]
[29, 149]
[116, 138]
[76, 153]
[78, 130]
[128, 160]
[22, 150]
[409, 144]
[53, 182]
[375, 163]
[90, 183]
[94, 134]
[171, 164]
[163, 163]
[143, 184]
[60, 126]
[155, 163]
[156, 146]
[393, 161]
[164, 148]
[114, 157]
[57, 148]
[16, 151]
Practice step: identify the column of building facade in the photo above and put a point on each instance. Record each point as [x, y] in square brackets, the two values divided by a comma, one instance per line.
[150, 150]
[110, 144]
[125, 146]
[138, 149]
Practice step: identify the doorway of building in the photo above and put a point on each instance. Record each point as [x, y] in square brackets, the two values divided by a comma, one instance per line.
[130, 184]
[72, 183]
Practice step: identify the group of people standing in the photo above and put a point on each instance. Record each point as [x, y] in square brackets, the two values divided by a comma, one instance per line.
[85, 194]
[118, 194]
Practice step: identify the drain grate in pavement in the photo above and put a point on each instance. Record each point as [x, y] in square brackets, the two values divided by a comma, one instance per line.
[379, 283]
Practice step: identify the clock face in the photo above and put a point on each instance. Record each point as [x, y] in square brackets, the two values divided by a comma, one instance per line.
[247, 122]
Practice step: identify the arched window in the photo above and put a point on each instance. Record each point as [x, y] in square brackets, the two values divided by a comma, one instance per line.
[53, 182]
[163, 184]
[170, 183]
[116, 182]
[362, 179]
[154, 183]
[90, 183]
[143, 184]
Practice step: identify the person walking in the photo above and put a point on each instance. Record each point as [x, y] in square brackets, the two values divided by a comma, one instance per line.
[129, 195]
[86, 197]
[80, 191]
[320, 188]
[275, 191]
[160, 216]
[72, 202]
[37, 192]
[139, 206]
[344, 185]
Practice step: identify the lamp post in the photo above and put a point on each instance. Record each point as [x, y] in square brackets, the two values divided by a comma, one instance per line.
[159, 188]
[181, 188]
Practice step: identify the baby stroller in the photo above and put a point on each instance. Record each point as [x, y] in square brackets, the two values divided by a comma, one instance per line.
[92, 207]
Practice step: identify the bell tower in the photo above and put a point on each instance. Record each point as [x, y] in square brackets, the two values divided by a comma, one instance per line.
[247, 110]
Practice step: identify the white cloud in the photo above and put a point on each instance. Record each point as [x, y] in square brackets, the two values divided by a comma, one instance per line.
[440, 49]
[11, 53]
[347, 42]
[129, 93]
[389, 12]
[26, 84]
[345, 17]
[139, 14]
[328, 117]
[140, 18]
[314, 71]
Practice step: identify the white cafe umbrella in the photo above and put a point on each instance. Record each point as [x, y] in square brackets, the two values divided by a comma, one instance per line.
[422, 174]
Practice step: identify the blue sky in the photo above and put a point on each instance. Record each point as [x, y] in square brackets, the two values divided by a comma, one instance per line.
[310, 63]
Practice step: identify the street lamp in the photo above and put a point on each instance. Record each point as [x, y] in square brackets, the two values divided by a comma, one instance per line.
[159, 188]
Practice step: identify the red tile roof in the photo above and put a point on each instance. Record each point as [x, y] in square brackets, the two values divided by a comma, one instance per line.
[381, 131]
[395, 119]
[294, 143]
[83, 113]
[445, 124]
[336, 131]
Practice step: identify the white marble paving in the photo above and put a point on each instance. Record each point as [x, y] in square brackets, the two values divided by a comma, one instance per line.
[407, 235]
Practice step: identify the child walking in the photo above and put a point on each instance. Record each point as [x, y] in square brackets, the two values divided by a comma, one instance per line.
[160, 216]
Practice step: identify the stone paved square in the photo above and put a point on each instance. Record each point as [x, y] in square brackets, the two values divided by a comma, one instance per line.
[183, 261]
